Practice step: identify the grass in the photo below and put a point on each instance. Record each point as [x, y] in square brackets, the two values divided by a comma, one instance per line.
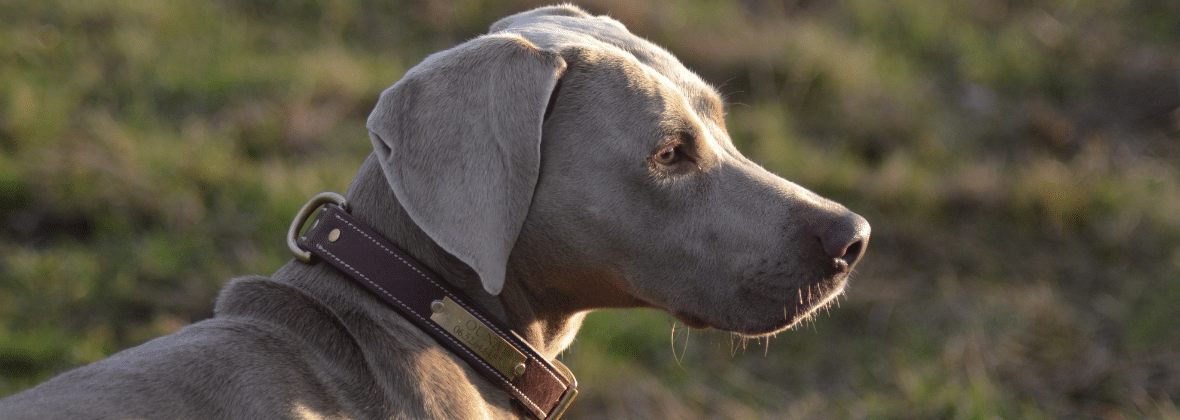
[1018, 162]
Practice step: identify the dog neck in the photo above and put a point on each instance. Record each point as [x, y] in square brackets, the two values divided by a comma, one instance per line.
[547, 324]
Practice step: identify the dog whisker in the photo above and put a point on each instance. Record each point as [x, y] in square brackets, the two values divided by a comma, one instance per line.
[672, 344]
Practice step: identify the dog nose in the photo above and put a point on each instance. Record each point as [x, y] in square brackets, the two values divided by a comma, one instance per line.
[845, 239]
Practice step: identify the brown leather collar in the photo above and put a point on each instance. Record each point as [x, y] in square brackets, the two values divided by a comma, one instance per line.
[438, 308]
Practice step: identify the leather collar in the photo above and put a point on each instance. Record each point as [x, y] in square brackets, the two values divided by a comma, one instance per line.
[544, 389]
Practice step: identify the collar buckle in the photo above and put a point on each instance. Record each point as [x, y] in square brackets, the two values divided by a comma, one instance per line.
[568, 396]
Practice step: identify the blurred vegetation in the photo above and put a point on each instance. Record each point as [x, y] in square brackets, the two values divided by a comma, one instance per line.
[1019, 161]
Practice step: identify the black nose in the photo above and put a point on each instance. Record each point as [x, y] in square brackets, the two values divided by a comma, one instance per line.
[845, 238]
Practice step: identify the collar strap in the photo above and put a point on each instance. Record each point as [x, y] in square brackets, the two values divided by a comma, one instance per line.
[437, 307]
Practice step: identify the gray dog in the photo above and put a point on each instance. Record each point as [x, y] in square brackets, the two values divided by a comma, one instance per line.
[553, 166]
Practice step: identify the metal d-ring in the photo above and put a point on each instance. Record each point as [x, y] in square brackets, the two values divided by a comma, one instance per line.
[305, 213]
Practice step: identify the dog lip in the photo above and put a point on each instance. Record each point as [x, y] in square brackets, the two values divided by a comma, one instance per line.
[692, 321]
[793, 303]
[800, 303]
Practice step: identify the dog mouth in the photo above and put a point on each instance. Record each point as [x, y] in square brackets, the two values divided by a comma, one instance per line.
[762, 314]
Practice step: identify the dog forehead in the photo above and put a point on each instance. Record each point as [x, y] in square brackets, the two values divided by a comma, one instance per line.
[563, 27]
[556, 31]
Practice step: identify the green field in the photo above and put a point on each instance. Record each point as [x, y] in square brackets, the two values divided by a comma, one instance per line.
[1019, 162]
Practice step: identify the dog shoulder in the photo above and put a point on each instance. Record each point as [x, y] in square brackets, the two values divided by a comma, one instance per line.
[248, 360]
[196, 372]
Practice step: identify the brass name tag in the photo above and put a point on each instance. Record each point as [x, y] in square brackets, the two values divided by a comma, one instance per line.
[478, 337]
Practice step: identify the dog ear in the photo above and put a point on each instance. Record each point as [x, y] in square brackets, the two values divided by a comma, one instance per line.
[459, 140]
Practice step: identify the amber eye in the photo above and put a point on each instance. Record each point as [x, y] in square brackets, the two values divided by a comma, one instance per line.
[668, 155]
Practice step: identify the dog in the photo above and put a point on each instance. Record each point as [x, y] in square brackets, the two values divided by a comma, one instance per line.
[556, 165]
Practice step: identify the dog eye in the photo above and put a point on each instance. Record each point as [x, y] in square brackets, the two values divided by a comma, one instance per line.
[668, 155]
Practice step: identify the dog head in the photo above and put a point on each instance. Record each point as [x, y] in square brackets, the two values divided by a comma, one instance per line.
[562, 151]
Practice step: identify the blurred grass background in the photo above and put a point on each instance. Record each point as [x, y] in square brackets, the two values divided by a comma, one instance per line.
[1019, 161]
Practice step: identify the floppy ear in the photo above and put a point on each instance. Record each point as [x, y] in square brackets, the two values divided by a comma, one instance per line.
[459, 140]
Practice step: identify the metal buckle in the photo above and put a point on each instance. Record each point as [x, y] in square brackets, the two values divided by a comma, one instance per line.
[305, 213]
[569, 395]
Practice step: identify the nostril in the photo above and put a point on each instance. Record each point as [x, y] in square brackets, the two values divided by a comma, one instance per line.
[853, 252]
[845, 239]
